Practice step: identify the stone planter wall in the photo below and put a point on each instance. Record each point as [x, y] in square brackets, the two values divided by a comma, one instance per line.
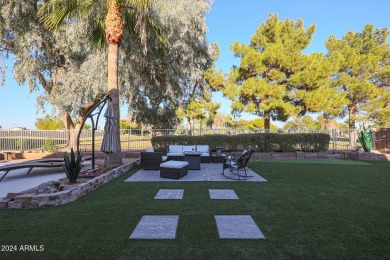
[34, 199]
[334, 154]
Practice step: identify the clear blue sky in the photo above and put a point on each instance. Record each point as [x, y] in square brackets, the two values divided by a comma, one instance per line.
[229, 21]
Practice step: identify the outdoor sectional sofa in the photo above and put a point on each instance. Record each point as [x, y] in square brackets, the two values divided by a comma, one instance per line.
[151, 160]
[176, 152]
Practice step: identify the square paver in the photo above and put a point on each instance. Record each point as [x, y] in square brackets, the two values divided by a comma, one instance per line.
[156, 227]
[169, 194]
[237, 227]
[222, 194]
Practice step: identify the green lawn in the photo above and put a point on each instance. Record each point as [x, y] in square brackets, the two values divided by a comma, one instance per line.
[306, 211]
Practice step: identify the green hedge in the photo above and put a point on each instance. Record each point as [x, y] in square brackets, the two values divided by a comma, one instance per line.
[265, 142]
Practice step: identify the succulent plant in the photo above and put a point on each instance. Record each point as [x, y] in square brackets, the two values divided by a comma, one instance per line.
[72, 166]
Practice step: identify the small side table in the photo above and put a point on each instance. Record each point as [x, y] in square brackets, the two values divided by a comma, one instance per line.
[193, 159]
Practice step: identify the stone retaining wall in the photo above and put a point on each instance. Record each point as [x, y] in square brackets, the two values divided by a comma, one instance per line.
[333, 154]
[34, 199]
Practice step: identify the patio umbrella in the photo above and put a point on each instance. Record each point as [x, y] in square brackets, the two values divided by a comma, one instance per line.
[110, 142]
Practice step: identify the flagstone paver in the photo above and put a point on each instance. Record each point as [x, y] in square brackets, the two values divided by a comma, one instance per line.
[237, 227]
[170, 194]
[222, 194]
[156, 227]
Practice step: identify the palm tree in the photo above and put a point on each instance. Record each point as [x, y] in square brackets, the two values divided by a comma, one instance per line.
[58, 12]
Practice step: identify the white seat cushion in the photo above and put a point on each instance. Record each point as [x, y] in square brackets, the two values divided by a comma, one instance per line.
[202, 148]
[149, 150]
[175, 149]
[205, 154]
[175, 154]
[164, 158]
[187, 148]
[174, 164]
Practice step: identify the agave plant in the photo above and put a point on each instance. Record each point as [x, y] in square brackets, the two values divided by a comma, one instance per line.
[72, 166]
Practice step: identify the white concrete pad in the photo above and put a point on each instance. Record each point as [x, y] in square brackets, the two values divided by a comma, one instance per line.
[237, 227]
[156, 227]
[169, 194]
[222, 194]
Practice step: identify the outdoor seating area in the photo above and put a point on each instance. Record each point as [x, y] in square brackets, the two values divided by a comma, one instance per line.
[209, 172]
[181, 158]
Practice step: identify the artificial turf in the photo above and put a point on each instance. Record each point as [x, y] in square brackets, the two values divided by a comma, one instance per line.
[305, 210]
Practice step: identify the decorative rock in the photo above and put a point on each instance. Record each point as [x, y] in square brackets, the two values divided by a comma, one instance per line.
[4, 203]
[47, 204]
[12, 195]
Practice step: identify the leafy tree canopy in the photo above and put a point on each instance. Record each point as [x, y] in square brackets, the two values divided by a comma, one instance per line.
[126, 124]
[253, 124]
[53, 123]
[71, 75]
[49, 123]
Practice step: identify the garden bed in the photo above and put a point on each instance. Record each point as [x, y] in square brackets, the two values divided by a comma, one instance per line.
[54, 193]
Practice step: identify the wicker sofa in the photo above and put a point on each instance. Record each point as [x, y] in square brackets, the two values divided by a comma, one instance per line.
[176, 152]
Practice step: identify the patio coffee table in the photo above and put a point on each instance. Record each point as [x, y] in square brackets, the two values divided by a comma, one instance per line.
[193, 159]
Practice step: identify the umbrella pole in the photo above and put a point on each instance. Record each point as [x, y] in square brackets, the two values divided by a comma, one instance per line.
[93, 144]
[94, 127]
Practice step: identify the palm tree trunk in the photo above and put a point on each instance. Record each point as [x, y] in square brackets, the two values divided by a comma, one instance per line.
[114, 37]
[113, 159]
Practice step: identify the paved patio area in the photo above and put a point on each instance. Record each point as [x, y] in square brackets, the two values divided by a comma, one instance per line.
[207, 172]
[18, 181]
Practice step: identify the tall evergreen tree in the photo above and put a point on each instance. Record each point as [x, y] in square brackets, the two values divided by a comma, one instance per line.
[275, 80]
[363, 73]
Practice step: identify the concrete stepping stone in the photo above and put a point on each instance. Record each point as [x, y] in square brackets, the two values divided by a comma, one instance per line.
[156, 227]
[169, 194]
[237, 227]
[222, 194]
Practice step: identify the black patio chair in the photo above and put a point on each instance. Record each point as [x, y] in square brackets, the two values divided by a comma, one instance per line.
[235, 156]
[235, 165]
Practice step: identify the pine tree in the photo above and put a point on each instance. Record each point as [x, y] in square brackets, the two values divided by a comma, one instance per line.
[363, 73]
[275, 79]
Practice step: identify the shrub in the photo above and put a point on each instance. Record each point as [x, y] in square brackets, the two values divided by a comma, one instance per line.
[263, 142]
[49, 145]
